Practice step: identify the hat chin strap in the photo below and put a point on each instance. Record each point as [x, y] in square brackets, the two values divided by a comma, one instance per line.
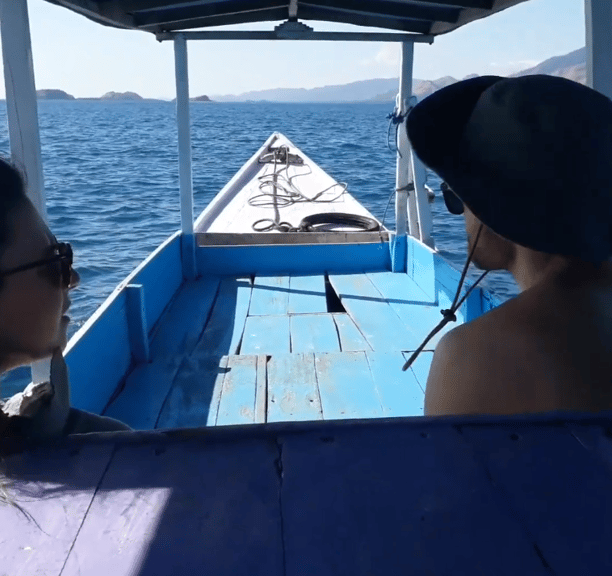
[449, 315]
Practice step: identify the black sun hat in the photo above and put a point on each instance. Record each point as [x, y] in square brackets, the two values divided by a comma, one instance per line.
[531, 157]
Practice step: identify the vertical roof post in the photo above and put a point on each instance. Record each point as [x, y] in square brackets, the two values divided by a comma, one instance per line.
[184, 154]
[598, 15]
[22, 112]
[21, 105]
[403, 196]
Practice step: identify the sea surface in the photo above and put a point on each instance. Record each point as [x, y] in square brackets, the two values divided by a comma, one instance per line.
[111, 176]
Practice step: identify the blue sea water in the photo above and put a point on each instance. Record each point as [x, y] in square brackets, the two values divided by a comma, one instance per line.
[111, 175]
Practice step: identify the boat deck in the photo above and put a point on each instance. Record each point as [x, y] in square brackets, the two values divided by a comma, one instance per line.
[239, 350]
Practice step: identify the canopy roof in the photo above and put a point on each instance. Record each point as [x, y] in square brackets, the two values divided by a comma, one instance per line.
[417, 16]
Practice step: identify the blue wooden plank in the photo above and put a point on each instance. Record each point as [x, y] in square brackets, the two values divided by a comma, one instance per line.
[346, 386]
[266, 335]
[38, 538]
[270, 295]
[147, 386]
[416, 310]
[184, 508]
[420, 367]
[348, 333]
[237, 404]
[194, 398]
[225, 327]
[294, 259]
[95, 370]
[398, 500]
[399, 392]
[313, 333]
[307, 294]
[292, 388]
[556, 488]
[376, 320]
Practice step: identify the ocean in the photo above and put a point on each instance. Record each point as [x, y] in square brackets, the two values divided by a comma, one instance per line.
[111, 176]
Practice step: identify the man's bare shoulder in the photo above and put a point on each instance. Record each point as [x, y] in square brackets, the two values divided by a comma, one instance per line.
[475, 361]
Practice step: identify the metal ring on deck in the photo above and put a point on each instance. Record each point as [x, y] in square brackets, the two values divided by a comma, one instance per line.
[309, 223]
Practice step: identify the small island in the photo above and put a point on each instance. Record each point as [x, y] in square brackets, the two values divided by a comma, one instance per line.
[132, 96]
[53, 94]
[202, 98]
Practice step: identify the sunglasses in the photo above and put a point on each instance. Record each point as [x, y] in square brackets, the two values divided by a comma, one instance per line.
[61, 258]
[453, 203]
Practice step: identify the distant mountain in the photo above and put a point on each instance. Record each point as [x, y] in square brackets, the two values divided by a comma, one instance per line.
[53, 94]
[571, 66]
[202, 98]
[353, 92]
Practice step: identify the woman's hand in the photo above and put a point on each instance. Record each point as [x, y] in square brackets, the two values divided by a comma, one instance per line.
[42, 409]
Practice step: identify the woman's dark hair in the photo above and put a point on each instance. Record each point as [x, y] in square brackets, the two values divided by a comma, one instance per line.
[12, 194]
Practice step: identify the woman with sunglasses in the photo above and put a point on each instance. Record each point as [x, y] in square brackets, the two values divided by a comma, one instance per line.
[36, 277]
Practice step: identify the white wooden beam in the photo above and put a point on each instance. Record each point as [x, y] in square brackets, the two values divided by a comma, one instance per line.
[184, 153]
[22, 112]
[598, 14]
[21, 105]
[326, 36]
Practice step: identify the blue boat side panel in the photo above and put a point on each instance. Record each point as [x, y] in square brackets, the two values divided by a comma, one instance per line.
[237, 404]
[401, 501]
[421, 366]
[307, 294]
[313, 333]
[184, 321]
[375, 319]
[348, 333]
[346, 386]
[293, 393]
[421, 266]
[38, 540]
[140, 401]
[399, 392]
[297, 258]
[266, 335]
[565, 506]
[95, 370]
[147, 386]
[224, 330]
[165, 509]
[194, 398]
[270, 295]
[161, 275]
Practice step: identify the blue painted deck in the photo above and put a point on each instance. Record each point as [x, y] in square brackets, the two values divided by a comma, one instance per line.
[423, 496]
[271, 348]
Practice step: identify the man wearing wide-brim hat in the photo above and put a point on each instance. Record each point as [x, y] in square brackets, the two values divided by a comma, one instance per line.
[529, 163]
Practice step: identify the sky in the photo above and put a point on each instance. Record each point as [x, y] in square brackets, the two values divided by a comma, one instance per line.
[86, 59]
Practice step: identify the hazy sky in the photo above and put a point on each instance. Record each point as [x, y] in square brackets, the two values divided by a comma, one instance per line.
[87, 59]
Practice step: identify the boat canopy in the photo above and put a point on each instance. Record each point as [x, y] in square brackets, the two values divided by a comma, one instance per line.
[428, 17]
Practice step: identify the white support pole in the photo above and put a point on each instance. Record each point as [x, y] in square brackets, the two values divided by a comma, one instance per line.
[21, 105]
[403, 168]
[184, 153]
[598, 28]
[422, 201]
[22, 113]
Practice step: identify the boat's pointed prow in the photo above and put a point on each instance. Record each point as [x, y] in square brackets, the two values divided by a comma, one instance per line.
[281, 192]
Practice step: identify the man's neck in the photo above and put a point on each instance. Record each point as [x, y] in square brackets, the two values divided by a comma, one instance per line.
[530, 269]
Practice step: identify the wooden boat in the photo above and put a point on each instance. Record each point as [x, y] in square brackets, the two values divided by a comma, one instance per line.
[276, 432]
